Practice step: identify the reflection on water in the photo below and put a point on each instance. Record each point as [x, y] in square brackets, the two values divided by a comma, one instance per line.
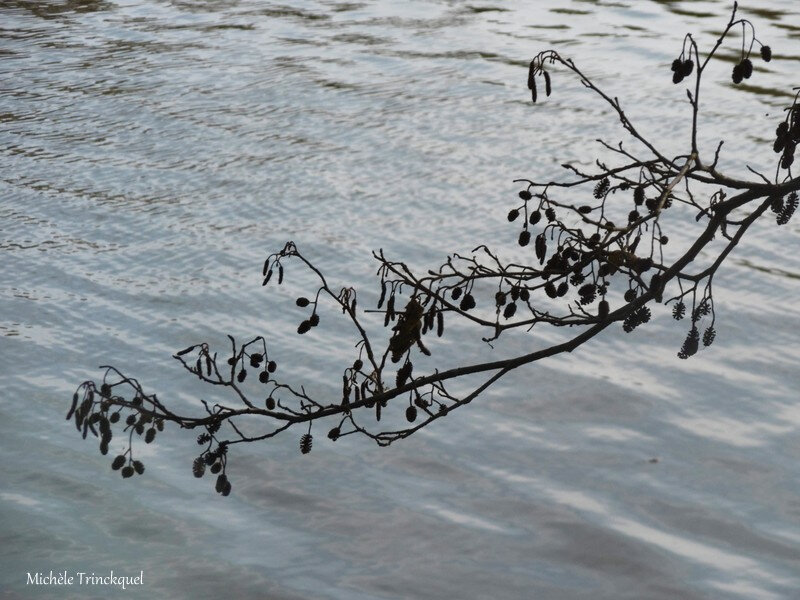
[154, 152]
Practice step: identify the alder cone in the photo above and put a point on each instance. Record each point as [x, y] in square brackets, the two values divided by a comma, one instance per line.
[306, 442]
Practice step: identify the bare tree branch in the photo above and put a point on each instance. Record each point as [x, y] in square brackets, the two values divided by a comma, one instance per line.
[586, 257]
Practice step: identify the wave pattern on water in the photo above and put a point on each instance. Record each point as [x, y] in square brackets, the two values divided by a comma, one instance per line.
[153, 153]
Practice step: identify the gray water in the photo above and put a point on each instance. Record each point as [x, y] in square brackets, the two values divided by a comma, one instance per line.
[153, 153]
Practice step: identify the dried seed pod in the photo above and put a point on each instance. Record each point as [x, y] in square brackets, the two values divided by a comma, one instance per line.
[241, 376]
[334, 434]
[306, 442]
[198, 467]
[510, 310]
[222, 479]
[602, 310]
[456, 293]
[541, 247]
[512, 214]
[411, 414]
[630, 295]
[788, 155]
[677, 76]
[313, 320]
[346, 390]
[788, 209]
[138, 466]
[677, 65]
[524, 237]
[708, 336]
[270, 403]
[776, 204]
[532, 75]
[550, 214]
[439, 324]
[467, 302]
[636, 318]
[73, 406]
[358, 364]
[226, 490]
[686, 67]
[403, 374]
[678, 311]
[794, 132]
[118, 462]
[766, 53]
[127, 472]
[633, 216]
[690, 344]
[601, 188]
[641, 265]
[524, 294]
[588, 289]
[747, 68]
[550, 289]
[535, 217]
[547, 88]
[304, 327]
[562, 289]
[525, 195]
[215, 468]
[638, 195]
[738, 73]
[780, 143]
[500, 298]
[131, 420]
[150, 435]
[185, 351]
[585, 209]
[383, 294]
[606, 269]
[114, 417]
[302, 302]
[263, 377]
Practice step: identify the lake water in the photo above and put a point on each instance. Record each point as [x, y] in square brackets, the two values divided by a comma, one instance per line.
[153, 153]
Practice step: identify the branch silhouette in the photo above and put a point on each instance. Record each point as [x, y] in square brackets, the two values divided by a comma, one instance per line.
[593, 266]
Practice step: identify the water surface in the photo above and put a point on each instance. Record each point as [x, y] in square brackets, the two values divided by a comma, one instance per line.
[153, 153]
